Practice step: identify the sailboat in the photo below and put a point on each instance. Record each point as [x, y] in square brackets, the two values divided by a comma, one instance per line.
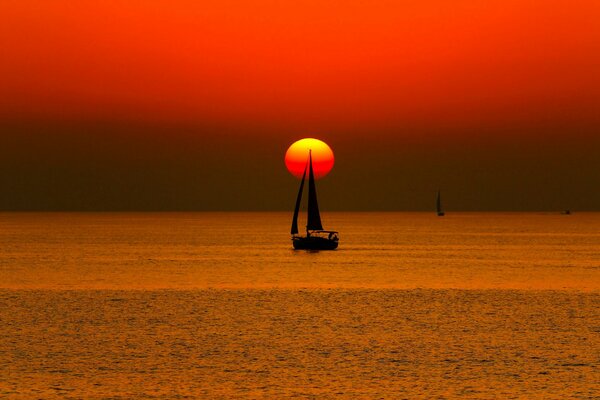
[438, 205]
[316, 238]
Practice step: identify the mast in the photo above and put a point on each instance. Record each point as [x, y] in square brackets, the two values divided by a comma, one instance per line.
[314, 217]
[298, 200]
[438, 203]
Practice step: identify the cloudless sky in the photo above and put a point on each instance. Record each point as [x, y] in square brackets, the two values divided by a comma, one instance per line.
[191, 104]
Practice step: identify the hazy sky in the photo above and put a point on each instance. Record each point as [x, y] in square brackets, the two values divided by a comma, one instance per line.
[190, 105]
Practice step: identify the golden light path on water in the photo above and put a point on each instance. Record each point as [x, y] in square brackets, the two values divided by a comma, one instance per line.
[217, 305]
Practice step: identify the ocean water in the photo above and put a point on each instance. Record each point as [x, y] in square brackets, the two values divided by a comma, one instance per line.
[218, 305]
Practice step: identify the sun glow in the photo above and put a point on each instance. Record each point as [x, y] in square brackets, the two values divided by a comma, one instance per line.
[297, 155]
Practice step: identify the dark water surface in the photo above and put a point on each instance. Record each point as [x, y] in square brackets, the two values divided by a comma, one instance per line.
[217, 305]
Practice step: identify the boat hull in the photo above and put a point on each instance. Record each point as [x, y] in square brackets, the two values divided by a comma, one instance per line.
[314, 243]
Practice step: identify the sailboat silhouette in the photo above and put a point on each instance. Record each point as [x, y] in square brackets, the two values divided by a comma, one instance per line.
[438, 205]
[316, 238]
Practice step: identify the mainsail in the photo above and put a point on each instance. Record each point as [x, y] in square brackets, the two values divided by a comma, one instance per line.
[314, 218]
[298, 200]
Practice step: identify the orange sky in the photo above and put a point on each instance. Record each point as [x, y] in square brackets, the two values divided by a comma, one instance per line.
[309, 63]
[191, 104]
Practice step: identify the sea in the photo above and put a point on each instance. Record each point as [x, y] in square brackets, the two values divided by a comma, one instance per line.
[219, 306]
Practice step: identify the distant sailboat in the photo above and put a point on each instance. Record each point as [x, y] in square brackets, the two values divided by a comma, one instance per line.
[316, 238]
[438, 205]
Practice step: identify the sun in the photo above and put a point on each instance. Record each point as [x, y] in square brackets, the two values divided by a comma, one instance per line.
[297, 156]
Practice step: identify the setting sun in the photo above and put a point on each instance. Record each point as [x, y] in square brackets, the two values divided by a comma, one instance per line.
[297, 155]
